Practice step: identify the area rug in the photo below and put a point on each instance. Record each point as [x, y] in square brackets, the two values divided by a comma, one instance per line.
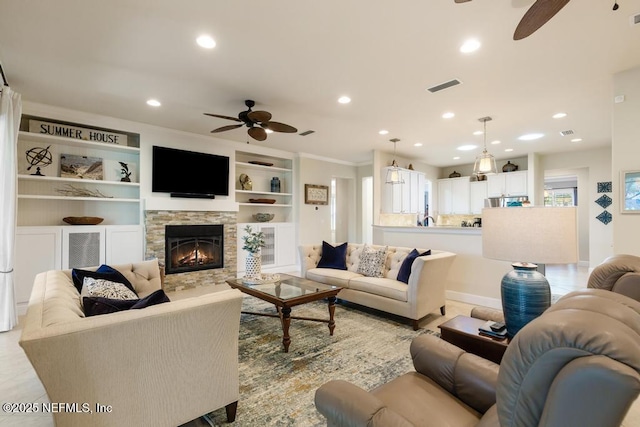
[277, 388]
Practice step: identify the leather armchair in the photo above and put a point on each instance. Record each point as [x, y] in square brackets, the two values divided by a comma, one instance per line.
[576, 364]
[618, 273]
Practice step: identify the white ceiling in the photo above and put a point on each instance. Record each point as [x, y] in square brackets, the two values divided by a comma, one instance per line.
[296, 57]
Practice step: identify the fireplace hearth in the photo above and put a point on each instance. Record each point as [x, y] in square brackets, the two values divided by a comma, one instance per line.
[193, 247]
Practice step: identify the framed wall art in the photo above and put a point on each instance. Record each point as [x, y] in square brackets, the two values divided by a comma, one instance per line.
[80, 167]
[316, 194]
[630, 197]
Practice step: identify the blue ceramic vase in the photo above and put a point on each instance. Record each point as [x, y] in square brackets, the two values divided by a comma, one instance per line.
[525, 295]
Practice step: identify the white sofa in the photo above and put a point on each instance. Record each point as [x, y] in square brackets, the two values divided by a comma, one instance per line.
[424, 293]
[163, 365]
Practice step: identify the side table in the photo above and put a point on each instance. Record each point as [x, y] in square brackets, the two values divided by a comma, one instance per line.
[462, 331]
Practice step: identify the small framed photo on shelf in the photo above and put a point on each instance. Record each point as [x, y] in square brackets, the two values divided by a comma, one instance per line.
[316, 194]
[630, 197]
[80, 167]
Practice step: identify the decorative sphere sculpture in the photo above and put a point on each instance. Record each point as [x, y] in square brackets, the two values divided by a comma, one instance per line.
[38, 156]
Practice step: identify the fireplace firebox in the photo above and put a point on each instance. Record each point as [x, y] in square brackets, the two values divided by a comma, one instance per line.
[193, 247]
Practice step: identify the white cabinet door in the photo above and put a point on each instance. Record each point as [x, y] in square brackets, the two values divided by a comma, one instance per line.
[444, 197]
[124, 244]
[516, 183]
[37, 250]
[496, 185]
[83, 246]
[460, 195]
[477, 194]
[286, 244]
[391, 195]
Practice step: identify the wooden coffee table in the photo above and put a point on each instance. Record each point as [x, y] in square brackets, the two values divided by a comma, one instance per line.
[288, 292]
[462, 331]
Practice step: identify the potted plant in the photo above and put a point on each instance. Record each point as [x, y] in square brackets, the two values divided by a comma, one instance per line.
[253, 242]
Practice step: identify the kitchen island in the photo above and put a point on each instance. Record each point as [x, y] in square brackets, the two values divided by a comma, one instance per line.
[472, 279]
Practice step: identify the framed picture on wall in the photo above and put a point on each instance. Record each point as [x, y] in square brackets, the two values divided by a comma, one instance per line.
[630, 197]
[316, 194]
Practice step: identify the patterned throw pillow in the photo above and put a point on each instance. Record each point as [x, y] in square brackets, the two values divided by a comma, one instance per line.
[372, 261]
[92, 287]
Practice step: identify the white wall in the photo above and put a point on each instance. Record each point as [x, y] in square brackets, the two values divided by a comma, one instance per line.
[625, 156]
[315, 220]
[591, 167]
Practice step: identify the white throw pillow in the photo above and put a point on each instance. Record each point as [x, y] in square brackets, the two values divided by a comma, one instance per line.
[106, 289]
[372, 261]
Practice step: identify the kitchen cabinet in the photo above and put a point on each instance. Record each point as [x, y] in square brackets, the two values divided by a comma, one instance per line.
[279, 251]
[507, 184]
[477, 194]
[453, 195]
[403, 198]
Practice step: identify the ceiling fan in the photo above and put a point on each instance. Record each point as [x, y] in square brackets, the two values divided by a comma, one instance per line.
[538, 14]
[258, 122]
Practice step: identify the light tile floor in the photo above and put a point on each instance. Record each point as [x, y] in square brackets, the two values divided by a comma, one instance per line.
[19, 383]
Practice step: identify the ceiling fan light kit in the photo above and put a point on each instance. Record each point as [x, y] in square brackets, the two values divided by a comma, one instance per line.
[393, 173]
[258, 122]
[485, 163]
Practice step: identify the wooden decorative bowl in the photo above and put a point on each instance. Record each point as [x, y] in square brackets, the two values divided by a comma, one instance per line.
[83, 220]
[266, 201]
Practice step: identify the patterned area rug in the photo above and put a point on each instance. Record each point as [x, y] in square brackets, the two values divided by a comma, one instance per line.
[277, 389]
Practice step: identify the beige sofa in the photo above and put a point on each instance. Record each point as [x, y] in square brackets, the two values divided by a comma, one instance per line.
[424, 293]
[163, 365]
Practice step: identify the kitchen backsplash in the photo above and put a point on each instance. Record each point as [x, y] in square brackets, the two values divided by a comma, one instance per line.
[456, 220]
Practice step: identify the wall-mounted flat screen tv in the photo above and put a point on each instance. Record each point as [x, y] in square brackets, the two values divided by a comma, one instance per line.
[189, 174]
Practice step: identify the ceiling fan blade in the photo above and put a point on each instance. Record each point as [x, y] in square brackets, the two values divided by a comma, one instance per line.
[461, 1]
[537, 15]
[280, 127]
[259, 116]
[235, 119]
[257, 133]
[225, 128]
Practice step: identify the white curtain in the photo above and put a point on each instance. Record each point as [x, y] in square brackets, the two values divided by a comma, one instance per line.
[10, 111]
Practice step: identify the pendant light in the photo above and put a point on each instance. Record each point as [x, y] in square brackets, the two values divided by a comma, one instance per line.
[485, 162]
[393, 173]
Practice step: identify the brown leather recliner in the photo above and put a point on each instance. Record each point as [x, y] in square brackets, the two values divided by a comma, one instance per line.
[618, 273]
[578, 364]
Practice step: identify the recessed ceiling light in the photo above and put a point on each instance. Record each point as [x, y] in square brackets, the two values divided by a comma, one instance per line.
[530, 136]
[448, 115]
[206, 41]
[154, 103]
[576, 140]
[418, 144]
[469, 46]
[467, 147]
[268, 131]
[478, 132]
[344, 100]
[496, 142]
[559, 115]
[456, 158]
[383, 132]
[508, 150]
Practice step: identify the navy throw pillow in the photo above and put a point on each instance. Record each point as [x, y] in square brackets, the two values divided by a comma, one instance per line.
[333, 257]
[94, 306]
[103, 272]
[405, 268]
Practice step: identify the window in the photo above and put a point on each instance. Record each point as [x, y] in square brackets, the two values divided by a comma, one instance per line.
[560, 197]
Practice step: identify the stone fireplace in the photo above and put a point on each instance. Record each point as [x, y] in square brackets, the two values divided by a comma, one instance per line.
[196, 261]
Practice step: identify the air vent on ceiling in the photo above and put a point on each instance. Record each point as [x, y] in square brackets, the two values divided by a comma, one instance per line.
[634, 19]
[566, 132]
[444, 85]
[307, 132]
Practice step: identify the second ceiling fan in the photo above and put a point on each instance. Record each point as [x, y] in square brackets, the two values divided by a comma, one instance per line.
[538, 14]
[258, 122]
